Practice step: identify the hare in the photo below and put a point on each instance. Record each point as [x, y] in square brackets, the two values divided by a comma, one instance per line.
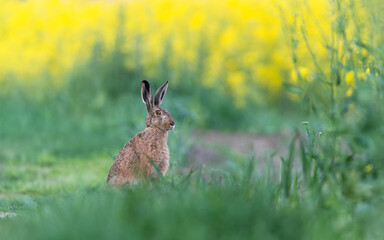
[134, 159]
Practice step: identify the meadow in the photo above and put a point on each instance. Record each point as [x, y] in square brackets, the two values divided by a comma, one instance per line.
[245, 74]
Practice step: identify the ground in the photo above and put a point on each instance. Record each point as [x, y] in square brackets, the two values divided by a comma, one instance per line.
[212, 145]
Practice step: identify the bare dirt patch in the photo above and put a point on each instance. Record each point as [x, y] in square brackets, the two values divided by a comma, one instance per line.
[209, 146]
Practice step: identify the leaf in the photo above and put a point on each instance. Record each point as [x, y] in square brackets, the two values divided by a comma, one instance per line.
[156, 167]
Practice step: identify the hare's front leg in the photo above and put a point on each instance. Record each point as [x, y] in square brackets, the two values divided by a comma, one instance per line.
[118, 181]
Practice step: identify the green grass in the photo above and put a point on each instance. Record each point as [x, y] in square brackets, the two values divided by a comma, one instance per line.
[162, 211]
[55, 157]
[56, 153]
[226, 206]
[50, 175]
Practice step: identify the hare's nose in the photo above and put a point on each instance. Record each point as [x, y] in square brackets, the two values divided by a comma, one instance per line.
[172, 124]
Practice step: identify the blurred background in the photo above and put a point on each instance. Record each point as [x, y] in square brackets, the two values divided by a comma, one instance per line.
[70, 74]
[245, 77]
[70, 71]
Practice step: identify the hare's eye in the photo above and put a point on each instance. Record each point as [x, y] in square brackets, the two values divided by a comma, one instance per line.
[158, 112]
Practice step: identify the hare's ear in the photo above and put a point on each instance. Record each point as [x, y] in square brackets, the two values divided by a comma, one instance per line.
[160, 94]
[146, 94]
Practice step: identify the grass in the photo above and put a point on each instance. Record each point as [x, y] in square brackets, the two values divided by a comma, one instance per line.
[56, 157]
[227, 205]
[162, 211]
[50, 175]
[56, 184]
[190, 207]
[63, 196]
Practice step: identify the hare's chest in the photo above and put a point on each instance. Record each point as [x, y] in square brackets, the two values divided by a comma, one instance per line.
[156, 152]
[159, 153]
[163, 161]
[160, 156]
[152, 147]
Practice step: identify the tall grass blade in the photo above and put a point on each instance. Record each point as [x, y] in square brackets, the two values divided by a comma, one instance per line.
[156, 168]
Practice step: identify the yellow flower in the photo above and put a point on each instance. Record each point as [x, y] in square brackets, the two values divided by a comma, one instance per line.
[236, 83]
[196, 21]
[227, 42]
[349, 92]
[302, 72]
[362, 76]
[228, 39]
[368, 168]
[350, 79]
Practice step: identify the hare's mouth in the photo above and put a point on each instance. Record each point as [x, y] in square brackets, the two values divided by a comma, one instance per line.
[171, 126]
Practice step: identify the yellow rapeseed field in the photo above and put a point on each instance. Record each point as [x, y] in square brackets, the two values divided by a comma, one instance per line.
[233, 44]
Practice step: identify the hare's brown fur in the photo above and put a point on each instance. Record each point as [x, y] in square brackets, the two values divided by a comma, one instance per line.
[133, 160]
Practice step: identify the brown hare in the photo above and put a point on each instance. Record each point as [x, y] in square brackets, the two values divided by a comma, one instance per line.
[133, 160]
